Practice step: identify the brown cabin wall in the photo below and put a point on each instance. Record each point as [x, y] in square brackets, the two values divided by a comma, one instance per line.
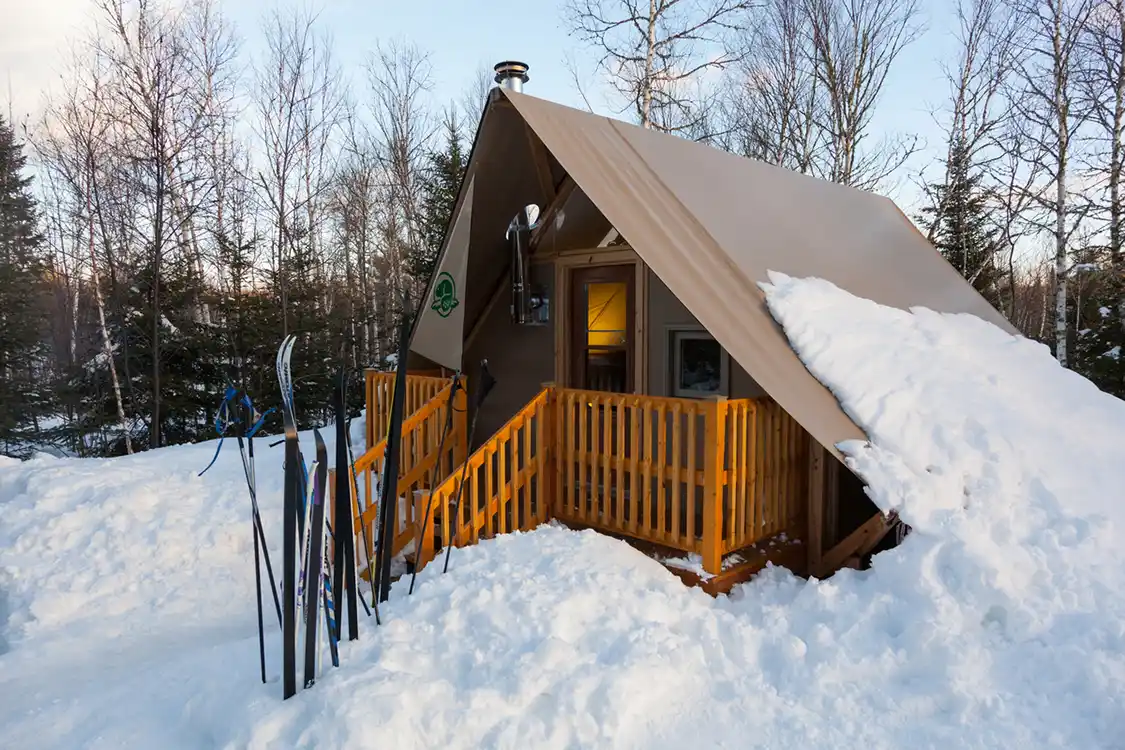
[521, 358]
[665, 314]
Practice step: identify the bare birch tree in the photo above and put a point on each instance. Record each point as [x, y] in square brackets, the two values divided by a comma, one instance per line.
[1045, 100]
[773, 99]
[854, 45]
[652, 51]
[400, 77]
[977, 108]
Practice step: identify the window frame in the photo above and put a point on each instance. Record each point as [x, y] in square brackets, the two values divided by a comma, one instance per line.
[674, 359]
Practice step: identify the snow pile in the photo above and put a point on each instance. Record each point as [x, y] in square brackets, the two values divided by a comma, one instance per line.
[126, 592]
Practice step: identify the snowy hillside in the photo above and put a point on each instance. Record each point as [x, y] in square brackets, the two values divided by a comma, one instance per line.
[127, 615]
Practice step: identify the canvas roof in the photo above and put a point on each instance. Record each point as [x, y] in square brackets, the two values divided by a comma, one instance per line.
[710, 224]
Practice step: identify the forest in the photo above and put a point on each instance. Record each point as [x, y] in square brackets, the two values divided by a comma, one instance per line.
[180, 204]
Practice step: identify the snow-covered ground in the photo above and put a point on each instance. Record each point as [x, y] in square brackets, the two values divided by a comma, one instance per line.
[127, 614]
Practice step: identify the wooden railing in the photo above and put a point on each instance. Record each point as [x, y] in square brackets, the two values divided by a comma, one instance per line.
[703, 476]
[766, 472]
[507, 484]
[421, 436]
[420, 390]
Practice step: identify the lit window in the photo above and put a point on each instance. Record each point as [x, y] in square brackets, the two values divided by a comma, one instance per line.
[699, 365]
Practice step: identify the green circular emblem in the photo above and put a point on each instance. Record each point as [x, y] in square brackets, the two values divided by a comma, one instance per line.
[445, 295]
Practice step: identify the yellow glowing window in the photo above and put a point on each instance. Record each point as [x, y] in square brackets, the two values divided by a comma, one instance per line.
[607, 322]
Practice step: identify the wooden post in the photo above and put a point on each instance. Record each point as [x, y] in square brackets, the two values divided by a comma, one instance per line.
[549, 444]
[815, 541]
[713, 462]
[372, 407]
[460, 427]
[424, 553]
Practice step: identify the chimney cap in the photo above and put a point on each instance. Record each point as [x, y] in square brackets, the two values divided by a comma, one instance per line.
[511, 69]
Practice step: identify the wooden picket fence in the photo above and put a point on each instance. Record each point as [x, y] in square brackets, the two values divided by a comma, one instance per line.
[703, 476]
[420, 461]
[421, 389]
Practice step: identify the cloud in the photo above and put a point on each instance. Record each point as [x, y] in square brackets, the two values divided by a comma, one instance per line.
[33, 42]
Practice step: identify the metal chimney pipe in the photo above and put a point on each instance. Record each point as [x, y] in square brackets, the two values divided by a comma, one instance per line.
[511, 74]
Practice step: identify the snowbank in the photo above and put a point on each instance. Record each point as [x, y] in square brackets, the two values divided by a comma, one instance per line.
[126, 592]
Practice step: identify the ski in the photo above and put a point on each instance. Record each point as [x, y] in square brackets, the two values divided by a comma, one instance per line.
[368, 549]
[332, 628]
[388, 495]
[314, 580]
[289, 524]
[344, 582]
[306, 544]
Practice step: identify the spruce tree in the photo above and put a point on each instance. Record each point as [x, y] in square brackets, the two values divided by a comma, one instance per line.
[24, 384]
[963, 236]
[440, 183]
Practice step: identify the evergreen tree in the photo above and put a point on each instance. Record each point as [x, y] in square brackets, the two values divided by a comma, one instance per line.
[24, 385]
[963, 236]
[1099, 351]
[440, 183]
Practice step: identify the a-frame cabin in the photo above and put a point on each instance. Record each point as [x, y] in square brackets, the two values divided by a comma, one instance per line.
[643, 390]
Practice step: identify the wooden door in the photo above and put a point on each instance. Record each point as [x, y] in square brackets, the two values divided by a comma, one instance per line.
[602, 328]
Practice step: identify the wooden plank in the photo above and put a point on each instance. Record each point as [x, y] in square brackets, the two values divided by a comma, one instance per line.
[571, 469]
[558, 429]
[525, 521]
[636, 501]
[583, 410]
[604, 503]
[546, 478]
[712, 533]
[832, 471]
[813, 537]
[784, 555]
[690, 445]
[859, 542]
[502, 444]
[491, 522]
[761, 428]
[661, 460]
[473, 500]
[619, 453]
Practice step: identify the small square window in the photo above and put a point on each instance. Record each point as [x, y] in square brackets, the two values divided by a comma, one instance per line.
[699, 365]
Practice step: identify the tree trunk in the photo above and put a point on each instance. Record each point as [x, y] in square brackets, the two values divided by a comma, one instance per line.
[107, 345]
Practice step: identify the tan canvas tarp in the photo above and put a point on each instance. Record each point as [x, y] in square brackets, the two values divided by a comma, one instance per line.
[711, 224]
[440, 333]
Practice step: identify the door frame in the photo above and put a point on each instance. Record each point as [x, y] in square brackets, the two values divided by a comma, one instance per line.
[565, 264]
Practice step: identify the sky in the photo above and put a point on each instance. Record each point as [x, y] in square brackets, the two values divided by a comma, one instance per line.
[463, 36]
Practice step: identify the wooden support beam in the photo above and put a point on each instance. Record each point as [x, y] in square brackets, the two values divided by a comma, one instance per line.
[542, 164]
[547, 215]
[814, 536]
[832, 469]
[858, 543]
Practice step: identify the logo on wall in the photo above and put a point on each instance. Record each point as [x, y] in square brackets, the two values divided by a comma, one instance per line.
[445, 295]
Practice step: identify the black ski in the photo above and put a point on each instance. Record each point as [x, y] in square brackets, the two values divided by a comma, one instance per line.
[314, 564]
[388, 478]
[289, 514]
[344, 580]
